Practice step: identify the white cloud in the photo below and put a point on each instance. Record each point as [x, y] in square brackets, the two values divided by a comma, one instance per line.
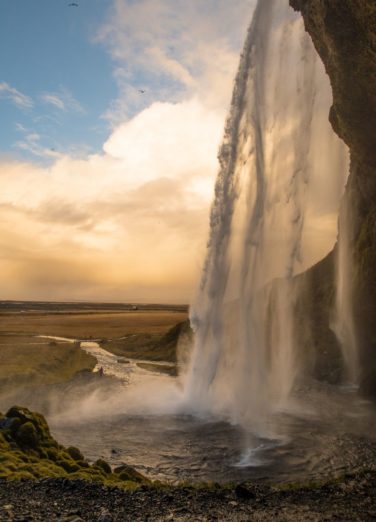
[19, 99]
[176, 49]
[62, 100]
[54, 100]
[177, 142]
[135, 216]
[20, 127]
[31, 143]
[168, 140]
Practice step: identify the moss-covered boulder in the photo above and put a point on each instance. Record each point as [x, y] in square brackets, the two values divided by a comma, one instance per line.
[28, 451]
[126, 472]
[103, 466]
[75, 453]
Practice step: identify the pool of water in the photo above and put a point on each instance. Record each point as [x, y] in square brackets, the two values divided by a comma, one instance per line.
[141, 420]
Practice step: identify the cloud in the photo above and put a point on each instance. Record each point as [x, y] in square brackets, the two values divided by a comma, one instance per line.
[132, 219]
[62, 100]
[22, 101]
[20, 128]
[168, 140]
[175, 49]
[54, 100]
[31, 143]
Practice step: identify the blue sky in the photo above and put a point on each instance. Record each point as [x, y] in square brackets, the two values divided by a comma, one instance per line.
[48, 49]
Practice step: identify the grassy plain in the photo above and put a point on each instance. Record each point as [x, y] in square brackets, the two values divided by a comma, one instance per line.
[29, 360]
[95, 324]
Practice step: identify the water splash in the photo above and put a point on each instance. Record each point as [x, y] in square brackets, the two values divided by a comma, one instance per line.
[243, 363]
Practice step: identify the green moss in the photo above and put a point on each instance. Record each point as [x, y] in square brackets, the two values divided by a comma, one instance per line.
[21, 475]
[103, 466]
[27, 435]
[126, 472]
[68, 465]
[83, 464]
[75, 453]
[25, 364]
[28, 451]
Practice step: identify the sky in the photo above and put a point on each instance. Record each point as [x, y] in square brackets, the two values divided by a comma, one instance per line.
[112, 113]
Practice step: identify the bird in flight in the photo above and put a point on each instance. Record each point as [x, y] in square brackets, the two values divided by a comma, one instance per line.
[141, 91]
[73, 4]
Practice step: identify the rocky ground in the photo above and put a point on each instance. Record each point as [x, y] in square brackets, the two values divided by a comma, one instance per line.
[352, 499]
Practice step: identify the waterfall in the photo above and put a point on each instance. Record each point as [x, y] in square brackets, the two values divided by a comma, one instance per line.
[343, 324]
[276, 157]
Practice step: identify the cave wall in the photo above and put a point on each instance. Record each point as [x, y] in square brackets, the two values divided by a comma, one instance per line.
[344, 34]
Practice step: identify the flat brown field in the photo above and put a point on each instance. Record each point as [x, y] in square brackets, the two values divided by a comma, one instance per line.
[27, 360]
[96, 324]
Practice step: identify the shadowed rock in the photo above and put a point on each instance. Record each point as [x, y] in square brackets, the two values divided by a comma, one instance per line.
[344, 34]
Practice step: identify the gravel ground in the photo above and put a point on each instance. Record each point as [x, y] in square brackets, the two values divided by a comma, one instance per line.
[353, 499]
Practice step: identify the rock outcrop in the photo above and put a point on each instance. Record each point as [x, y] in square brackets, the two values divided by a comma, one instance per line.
[344, 34]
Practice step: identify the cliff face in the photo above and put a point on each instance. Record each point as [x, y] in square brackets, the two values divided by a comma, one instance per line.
[344, 34]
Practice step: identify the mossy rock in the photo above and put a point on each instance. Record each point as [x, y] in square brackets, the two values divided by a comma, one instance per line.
[52, 454]
[83, 464]
[27, 436]
[75, 453]
[28, 451]
[103, 466]
[68, 465]
[126, 472]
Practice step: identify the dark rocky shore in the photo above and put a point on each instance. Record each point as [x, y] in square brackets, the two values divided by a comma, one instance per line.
[353, 498]
[40, 480]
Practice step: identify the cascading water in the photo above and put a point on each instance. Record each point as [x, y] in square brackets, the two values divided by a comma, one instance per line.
[343, 325]
[278, 162]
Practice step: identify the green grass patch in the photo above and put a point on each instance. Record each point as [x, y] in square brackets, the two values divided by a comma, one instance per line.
[31, 361]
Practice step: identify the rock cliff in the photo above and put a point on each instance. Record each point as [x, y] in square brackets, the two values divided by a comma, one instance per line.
[344, 34]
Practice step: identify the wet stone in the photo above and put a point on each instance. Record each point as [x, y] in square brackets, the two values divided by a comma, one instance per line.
[244, 493]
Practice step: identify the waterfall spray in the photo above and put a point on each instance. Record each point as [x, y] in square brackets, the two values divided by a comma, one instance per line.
[243, 361]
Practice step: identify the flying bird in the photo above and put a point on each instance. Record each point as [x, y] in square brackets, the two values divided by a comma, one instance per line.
[141, 91]
[73, 4]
